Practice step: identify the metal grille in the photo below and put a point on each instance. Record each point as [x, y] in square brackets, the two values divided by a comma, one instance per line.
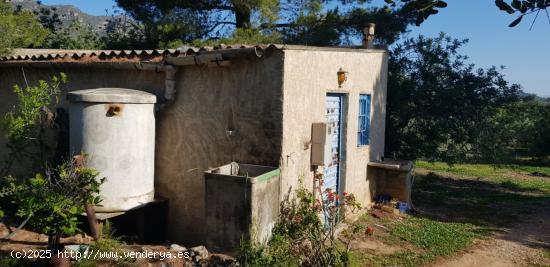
[332, 164]
[364, 120]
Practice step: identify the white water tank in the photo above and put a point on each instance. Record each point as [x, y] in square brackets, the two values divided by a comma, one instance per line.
[115, 128]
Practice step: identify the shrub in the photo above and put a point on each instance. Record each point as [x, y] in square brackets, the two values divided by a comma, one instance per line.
[51, 200]
[26, 125]
[54, 200]
[304, 234]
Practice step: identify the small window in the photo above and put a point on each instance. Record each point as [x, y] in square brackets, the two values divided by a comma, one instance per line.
[364, 120]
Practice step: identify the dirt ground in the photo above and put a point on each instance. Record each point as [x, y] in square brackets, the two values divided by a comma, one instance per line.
[525, 244]
[27, 240]
[519, 223]
[513, 224]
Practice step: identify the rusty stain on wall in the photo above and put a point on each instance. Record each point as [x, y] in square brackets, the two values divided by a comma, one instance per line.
[114, 110]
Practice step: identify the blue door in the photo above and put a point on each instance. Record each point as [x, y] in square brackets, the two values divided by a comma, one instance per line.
[333, 148]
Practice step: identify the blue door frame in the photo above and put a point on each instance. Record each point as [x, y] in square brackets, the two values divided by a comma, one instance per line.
[334, 119]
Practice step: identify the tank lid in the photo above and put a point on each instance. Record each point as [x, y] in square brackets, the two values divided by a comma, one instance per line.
[112, 95]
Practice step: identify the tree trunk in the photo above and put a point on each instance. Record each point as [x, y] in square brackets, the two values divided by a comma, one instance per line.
[242, 17]
[54, 243]
[55, 246]
[80, 162]
[93, 222]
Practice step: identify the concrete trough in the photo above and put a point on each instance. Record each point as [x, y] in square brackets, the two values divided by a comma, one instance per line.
[393, 178]
[242, 201]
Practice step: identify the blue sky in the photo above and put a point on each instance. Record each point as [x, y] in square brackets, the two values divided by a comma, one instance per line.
[524, 53]
[94, 7]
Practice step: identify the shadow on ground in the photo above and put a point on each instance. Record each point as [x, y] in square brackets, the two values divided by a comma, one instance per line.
[491, 206]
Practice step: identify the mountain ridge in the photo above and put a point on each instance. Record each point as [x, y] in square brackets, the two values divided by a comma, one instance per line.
[67, 13]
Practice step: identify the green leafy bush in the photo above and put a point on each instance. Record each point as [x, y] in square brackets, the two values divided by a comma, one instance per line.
[26, 125]
[19, 29]
[48, 199]
[55, 199]
[304, 234]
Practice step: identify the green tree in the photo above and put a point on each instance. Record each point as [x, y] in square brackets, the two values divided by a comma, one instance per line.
[525, 125]
[439, 106]
[19, 29]
[163, 22]
[315, 22]
[28, 124]
[523, 8]
[75, 36]
[122, 32]
[49, 18]
[51, 202]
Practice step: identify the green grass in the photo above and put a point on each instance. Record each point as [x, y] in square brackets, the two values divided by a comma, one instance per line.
[436, 238]
[479, 193]
[512, 176]
[108, 243]
[458, 204]
[423, 240]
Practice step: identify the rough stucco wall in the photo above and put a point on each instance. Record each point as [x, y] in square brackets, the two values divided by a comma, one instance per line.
[84, 78]
[192, 133]
[308, 77]
[78, 79]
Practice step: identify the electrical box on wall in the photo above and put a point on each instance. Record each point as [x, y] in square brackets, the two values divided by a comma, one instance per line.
[318, 140]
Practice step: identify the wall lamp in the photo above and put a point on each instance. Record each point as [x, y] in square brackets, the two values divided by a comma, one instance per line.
[342, 77]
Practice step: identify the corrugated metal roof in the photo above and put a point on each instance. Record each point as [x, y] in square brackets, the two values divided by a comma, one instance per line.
[62, 55]
[31, 56]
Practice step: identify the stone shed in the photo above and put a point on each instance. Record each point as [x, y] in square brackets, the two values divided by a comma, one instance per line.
[296, 109]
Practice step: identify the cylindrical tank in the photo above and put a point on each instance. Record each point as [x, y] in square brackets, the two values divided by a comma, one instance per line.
[115, 128]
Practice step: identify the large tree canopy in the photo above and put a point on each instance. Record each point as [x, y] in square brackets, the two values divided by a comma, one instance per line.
[315, 22]
[440, 107]
[19, 28]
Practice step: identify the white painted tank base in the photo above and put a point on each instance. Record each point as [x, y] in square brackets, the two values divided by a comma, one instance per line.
[117, 133]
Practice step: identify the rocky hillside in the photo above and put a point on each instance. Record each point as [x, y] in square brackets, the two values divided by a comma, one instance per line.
[67, 13]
